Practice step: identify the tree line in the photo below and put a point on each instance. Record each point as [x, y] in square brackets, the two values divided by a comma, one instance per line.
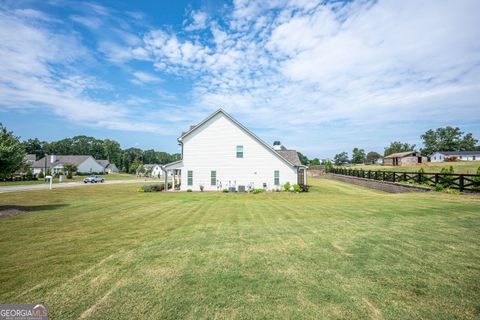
[441, 139]
[13, 151]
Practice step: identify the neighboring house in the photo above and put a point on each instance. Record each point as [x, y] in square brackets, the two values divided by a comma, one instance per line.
[404, 159]
[108, 167]
[220, 153]
[30, 159]
[84, 164]
[153, 170]
[441, 156]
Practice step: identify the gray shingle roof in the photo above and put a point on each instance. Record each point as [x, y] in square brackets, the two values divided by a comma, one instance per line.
[63, 160]
[400, 154]
[459, 153]
[103, 163]
[290, 155]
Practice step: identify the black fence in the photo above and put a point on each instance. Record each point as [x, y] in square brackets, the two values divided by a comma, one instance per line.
[469, 182]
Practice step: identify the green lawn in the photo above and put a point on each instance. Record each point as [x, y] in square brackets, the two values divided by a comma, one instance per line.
[340, 251]
[470, 167]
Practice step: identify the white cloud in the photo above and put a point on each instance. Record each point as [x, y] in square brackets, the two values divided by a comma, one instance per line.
[198, 21]
[37, 72]
[144, 77]
[314, 64]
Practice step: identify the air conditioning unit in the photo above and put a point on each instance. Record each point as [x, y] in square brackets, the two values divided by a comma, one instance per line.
[241, 188]
[232, 189]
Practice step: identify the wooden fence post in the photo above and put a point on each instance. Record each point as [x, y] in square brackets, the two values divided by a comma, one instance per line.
[461, 182]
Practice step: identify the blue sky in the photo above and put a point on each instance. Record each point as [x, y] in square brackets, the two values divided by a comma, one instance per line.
[322, 77]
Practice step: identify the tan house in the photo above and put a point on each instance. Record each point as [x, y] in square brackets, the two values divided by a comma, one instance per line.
[409, 158]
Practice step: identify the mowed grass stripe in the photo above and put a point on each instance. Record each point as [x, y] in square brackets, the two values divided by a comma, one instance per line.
[339, 251]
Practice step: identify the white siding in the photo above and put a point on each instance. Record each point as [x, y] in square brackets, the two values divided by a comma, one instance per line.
[439, 157]
[212, 147]
[89, 165]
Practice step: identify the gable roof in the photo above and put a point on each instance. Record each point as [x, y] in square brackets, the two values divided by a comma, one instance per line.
[400, 154]
[250, 133]
[150, 165]
[63, 160]
[291, 156]
[458, 153]
[103, 163]
[31, 157]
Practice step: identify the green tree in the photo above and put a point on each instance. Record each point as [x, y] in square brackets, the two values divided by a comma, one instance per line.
[358, 156]
[447, 139]
[398, 146]
[373, 156]
[12, 153]
[303, 159]
[314, 162]
[112, 151]
[341, 158]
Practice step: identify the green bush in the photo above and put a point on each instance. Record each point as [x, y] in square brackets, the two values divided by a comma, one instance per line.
[225, 190]
[189, 190]
[151, 188]
[255, 191]
[451, 191]
[69, 175]
[286, 186]
[296, 188]
[29, 174]
[439, 187]
[41, 175]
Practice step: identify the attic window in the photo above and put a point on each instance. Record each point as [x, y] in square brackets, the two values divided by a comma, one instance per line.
[239, 151]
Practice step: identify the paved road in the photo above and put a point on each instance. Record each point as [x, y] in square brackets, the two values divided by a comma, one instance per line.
[66, 185]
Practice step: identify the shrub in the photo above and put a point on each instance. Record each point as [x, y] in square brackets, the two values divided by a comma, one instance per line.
[296, 188]
[29, 174]
[304, 188]
[41, 175]
[225, 190]
[438, 187]
[202, 187]
[451, 191]
[255, 191]
[189, 190]
[151, 188]
[69, 174]
[286, 186]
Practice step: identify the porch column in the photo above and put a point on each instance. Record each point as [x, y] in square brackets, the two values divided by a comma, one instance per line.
[173, 180]
[166, 181]
[305, 176]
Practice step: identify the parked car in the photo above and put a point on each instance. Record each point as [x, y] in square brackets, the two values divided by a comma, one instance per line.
[93, 179]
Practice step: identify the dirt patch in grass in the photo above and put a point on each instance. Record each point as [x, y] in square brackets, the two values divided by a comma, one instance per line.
[13, 210]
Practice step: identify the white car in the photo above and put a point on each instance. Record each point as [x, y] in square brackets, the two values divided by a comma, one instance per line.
[93, 179]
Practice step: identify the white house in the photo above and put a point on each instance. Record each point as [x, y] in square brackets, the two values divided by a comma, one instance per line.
[441, 156]
[84, 164]
[220, 153]
[154, 170]
[108, 167]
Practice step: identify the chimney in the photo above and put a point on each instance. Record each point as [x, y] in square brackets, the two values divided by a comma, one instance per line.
[277, 145]
[53, 158]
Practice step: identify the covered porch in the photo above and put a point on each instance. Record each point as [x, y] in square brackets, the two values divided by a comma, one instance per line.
[173, 170]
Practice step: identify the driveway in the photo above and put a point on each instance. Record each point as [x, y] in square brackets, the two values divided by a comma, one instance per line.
[66, 185]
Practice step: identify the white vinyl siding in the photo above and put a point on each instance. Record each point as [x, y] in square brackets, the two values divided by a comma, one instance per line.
[213, 145]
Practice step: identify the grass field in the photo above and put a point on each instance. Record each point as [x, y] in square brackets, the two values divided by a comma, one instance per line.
[470, 167]
[339, 251]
